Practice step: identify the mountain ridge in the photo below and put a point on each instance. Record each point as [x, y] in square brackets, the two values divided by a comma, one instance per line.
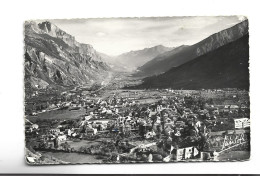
[136, 58]
[54, 57]
[225, 67]
[208, 44]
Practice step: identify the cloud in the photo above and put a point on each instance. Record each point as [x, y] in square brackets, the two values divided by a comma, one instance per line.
[114, 36]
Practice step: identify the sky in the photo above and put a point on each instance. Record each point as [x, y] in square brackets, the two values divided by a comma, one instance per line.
[114, 36]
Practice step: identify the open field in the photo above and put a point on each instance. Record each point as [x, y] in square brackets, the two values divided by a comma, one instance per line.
[73, 157]
[58, 114]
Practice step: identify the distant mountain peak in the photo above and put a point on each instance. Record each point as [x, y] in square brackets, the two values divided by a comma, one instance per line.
[136, 58]
[163, 63]
[224, 67]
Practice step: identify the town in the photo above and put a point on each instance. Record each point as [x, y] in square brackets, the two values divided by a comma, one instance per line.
[105, 124]
[138, 101]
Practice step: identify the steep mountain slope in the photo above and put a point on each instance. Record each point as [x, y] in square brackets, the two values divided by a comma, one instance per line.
[225, 67]
[53, 57]
[188, 53]
[134, 59]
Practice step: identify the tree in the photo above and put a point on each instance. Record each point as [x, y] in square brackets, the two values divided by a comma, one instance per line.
[56, 143]
[65, 146]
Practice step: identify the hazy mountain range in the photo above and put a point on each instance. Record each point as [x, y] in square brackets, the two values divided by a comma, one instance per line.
[137, 58]
[183, 54]
[219, 61]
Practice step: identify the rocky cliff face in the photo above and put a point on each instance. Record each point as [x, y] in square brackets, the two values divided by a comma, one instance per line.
[221, 38]
[183, 55]
[53, 57]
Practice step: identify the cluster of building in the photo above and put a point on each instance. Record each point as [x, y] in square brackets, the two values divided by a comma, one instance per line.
[178, 124]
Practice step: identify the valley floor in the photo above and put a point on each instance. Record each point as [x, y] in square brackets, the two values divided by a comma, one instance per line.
[106, 123]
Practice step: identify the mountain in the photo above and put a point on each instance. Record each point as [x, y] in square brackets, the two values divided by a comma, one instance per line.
[157, 61]
[112, 62]
[53, 57]
[134, 59]
[185, 54]
[225, 67]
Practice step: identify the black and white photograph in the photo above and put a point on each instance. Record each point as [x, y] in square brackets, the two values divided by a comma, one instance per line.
[136, 90]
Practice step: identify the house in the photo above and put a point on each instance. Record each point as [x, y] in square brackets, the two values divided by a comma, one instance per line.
[234, 107]
[243, 107]
[216, 112]
[164, 97]
[91, 131]
[109, 112]
[55, 130]
[62, 138]
[68, 132]
[187, 111]
[74, 134]
[150, 134]
[180, 124]
[88, 117]
[35, 126]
